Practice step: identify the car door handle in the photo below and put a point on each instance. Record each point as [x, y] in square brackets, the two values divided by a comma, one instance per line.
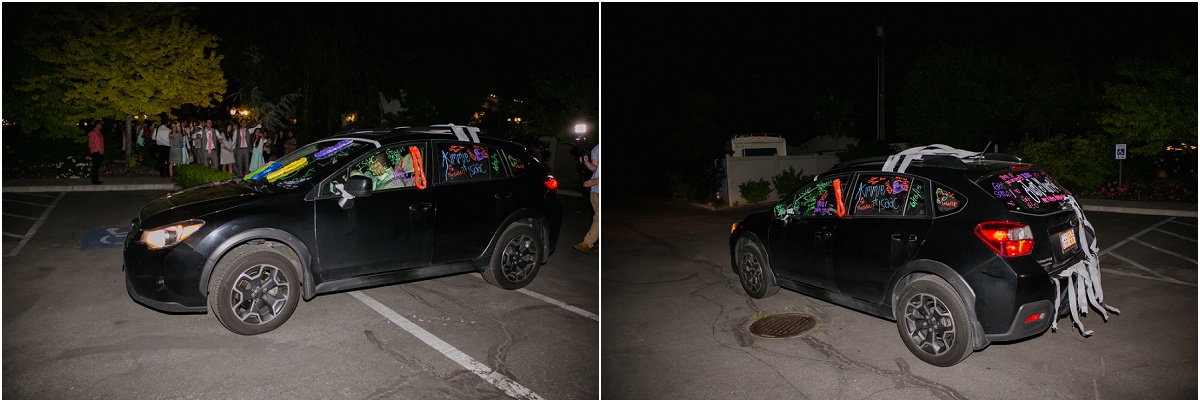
[898, 237]
[824, 235]
[502, 196]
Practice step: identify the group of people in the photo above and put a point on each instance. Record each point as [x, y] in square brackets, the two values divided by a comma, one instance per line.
[238, 149]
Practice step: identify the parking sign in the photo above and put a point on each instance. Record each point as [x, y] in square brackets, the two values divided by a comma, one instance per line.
[1120, 151]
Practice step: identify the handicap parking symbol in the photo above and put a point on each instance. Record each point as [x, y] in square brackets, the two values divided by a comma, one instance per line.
[103, 238]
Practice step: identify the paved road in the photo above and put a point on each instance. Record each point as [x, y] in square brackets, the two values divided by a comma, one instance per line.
[676, 324]
[72, 332]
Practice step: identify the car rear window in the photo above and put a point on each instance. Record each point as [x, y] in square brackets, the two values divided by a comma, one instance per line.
[1025, 190]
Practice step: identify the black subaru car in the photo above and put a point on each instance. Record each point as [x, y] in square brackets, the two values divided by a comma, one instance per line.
[358, 209]
[961, 249]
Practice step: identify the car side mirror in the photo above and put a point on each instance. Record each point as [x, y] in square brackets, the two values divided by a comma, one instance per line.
[359, 186]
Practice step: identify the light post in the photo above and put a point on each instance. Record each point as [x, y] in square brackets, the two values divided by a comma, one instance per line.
[879, 88]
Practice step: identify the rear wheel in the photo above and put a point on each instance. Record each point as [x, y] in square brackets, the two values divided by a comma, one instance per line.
[757, 277]
[253, 290]
[516, 259]
[933, 322]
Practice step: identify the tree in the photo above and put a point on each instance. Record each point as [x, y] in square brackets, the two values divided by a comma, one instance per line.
[958, 96]
[833, 116]
[266, 102]
[1154, 104]
[93, 61]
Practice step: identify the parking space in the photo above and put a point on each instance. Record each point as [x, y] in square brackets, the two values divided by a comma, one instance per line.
[1160, 248]
[71, 330]
[23, 214]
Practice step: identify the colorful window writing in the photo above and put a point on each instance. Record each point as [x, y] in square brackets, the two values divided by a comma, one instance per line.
[946, 200]
[399, 166]
[822, 198]
[889, 195]
[467, 162]
[1028, 190]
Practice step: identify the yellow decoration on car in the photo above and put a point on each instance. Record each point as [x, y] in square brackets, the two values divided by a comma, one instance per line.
[291, 167]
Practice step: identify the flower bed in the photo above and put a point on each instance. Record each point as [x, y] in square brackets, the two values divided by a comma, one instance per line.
[1141, 191]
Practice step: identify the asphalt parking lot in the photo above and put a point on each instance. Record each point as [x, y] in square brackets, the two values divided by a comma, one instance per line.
[677, 324]
[72, 332]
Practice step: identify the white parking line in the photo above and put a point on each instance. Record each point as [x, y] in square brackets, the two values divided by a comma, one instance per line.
[36, 195]
[1184, 224]
[1128, 239]
[1156, 276]
[1172, 234]
[510, 387]
[16, 250]
[26, 202]
[565, 306]
[1165, 251]
[20, 216]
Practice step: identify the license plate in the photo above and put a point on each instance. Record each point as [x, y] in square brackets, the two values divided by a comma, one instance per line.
[1067, 239]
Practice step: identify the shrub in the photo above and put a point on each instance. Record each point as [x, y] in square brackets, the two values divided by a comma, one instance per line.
[789, 180]
[192, 175]
[755, 190]
[1080, 164]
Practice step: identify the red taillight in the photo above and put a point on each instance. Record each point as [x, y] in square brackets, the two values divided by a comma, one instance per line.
[551, 183]
[1034, 317]
[1009, 239]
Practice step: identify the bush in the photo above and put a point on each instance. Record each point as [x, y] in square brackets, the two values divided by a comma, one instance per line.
[193, 174]
[755, 190]
[1080, 164]
[789, 180]
[679, 188]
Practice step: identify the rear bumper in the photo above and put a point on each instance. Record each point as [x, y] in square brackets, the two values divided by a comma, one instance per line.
[1031, 319]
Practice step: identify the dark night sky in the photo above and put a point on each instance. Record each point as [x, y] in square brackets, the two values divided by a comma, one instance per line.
[653, 52]
[653, 49]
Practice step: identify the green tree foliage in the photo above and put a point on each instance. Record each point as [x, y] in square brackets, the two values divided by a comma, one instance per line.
[956, 96]
[1153, 104]
[789, 180]
[262, 94]
[833, 116]
[754, 191]
[1082, 164]
[102, 60]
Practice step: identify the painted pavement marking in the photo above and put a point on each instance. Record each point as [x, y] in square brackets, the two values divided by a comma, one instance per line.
[565, 306]
[32, 230]
[510, 387]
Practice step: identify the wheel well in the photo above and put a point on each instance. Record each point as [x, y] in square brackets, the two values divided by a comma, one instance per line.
[920, 269]
[282, 248]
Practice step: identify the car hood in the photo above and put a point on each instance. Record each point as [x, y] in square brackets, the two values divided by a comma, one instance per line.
[198, 201]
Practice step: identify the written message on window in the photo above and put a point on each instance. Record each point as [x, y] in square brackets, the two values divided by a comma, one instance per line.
[466, 162]
[889, 195]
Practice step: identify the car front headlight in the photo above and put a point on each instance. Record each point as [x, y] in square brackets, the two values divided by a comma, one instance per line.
[170, 235]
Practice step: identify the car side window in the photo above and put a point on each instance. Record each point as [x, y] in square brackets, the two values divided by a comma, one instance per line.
[821, 198]
[947, 201]
[889, 195]
[398, 166]
[462, 162]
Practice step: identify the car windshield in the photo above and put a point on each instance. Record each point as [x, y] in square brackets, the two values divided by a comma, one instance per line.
[309, 161]
[1025, 189]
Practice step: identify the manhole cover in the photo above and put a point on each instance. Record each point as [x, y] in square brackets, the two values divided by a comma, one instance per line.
[784, 325]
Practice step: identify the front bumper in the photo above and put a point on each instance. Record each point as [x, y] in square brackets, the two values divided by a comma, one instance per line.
[166, 279]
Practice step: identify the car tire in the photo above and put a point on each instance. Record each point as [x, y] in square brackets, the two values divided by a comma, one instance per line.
[516, 258]
[253, 290]
[756, 275]
[934, 322]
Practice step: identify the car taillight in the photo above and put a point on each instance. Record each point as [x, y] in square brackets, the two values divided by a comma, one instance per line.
[551, 183]
[1009, 239]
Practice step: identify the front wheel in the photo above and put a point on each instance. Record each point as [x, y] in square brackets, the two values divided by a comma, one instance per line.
[756, 275]
[516, 259]
[254, 290]
[933, 322]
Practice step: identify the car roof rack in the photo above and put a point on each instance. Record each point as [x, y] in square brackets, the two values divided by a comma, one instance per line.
[941, 156]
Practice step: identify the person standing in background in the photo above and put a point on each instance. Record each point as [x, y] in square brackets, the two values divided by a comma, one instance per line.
[593, 233]
[162, 147]
[96, 149]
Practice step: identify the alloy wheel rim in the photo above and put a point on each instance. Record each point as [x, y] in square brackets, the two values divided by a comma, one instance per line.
[752, 272]
[519, 258]
[259, 294]
[930, 324]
